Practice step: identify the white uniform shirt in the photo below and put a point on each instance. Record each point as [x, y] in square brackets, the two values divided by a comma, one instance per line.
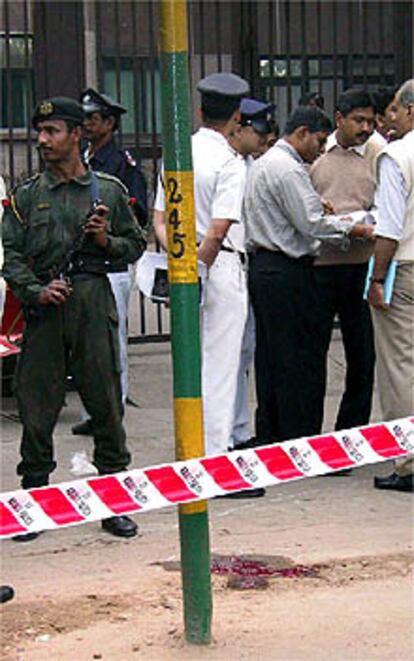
[219, 180]
[392, 196]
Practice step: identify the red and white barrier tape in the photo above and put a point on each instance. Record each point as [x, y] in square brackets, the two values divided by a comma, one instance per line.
[140, 490]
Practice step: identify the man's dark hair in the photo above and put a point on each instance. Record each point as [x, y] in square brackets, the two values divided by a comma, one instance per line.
[216, 109]
[353, 98]
[312, 99]
[70, 125]
[312, 117]
[382, 98]
[105, 114]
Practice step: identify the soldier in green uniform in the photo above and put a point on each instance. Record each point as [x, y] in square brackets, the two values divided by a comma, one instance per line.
[71, 316]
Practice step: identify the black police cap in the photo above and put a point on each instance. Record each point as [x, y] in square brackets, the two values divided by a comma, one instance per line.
[256, 114]
[93, 101]
[58, 107]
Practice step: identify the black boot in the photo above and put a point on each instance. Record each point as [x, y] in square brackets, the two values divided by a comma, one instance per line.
[31, 482]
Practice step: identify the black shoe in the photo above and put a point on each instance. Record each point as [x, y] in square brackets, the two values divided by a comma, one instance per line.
[253, 442]
[121, 526]
[246, 493]
[341, 473]
[83, 428]
[130, 402]
[395, 482]
[26, 537]
[6, 593]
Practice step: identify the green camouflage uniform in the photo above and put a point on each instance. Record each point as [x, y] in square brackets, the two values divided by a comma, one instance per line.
[79, 336]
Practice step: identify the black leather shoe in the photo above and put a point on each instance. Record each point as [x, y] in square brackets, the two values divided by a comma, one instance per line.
[83, 428]
[341, 473]
[252, 443]
[26, 537]
[395, 482]
[246, 493]
[121, 526]
[131, 402]
[6, 593]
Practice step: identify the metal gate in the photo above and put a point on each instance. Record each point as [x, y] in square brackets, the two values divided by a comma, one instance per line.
[286, 48]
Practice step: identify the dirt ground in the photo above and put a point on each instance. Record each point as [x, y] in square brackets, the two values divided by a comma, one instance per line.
[82, 594]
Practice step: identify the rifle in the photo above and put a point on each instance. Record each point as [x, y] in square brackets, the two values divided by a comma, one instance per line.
[64, 269]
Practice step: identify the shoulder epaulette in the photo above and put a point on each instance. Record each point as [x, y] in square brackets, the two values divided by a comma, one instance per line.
[15, 210]
[12, 197]
[25, 183]
[130, 159]
[110, 177]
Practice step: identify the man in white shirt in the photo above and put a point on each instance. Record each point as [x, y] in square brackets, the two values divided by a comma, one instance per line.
[249, 140]
[219, 180]
[394, 322]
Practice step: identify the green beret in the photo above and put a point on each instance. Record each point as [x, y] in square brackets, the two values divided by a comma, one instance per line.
[58, 107]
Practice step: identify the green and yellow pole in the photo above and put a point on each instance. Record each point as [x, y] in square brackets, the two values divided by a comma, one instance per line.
[184, 301]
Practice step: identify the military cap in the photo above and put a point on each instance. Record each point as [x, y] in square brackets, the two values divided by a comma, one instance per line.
[256, 114]
[58, 107]
[93, 101]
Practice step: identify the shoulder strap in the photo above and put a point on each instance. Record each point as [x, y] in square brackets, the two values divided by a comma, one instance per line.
[94, 188]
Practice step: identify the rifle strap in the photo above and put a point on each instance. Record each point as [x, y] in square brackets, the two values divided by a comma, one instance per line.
[94, 187]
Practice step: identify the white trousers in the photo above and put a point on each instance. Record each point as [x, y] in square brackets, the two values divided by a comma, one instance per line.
[241, 423]
[394, 346]
[121, 289]
[223, 318]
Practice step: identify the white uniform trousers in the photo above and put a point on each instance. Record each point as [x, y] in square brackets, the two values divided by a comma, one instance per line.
[223, 318]
[241, 423]
[394, 345]
[121, 288]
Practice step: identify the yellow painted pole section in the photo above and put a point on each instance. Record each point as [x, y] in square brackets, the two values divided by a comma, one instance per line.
[182, 249]
[174, 27]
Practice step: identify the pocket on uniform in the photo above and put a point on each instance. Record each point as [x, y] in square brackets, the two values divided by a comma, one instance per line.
[38, 234]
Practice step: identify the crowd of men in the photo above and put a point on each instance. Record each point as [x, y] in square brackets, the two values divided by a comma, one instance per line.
[285, 228]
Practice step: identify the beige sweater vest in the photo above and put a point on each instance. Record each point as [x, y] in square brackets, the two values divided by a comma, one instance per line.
[402, 151]
[348, 180]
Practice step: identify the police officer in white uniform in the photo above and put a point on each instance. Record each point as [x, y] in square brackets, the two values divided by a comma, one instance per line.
[219, 180]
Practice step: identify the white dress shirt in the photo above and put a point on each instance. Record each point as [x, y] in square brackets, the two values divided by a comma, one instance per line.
[392, 198]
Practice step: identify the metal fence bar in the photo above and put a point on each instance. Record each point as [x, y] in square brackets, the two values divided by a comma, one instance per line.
[135, 75]
[201, 39]
[381, 37]
[288, 57]
[28, 91]
[350, 65]
[364, 26]
[319, 43]
[304, 81]
[99, 49]
[335, 53]
[218, 35]
[10, 89]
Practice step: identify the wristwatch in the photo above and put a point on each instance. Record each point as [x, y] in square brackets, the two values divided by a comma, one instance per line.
[380, 281]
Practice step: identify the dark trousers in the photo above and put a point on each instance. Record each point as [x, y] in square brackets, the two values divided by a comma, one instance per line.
[82, 336]
[289, 361]
[340, 292]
